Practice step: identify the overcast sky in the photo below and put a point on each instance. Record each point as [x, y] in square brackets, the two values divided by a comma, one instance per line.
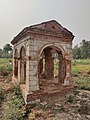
[17, 14]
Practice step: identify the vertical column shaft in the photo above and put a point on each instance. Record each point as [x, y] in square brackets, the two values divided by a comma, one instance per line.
[49, 64]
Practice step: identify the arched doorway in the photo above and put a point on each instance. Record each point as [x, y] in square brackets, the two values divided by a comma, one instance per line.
[52, 65]
[23, 65]
[16, 63]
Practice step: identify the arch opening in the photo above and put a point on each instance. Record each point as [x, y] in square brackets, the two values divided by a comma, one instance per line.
[52, 65]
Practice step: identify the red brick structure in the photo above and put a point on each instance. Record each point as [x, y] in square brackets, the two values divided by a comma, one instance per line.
[42, 60]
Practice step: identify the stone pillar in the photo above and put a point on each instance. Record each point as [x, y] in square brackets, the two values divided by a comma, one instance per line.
[33, 80]
[13, 62]
[68, 72]
[49, 63]
[27, 67]
[60, 71]
[19, 70]
[33, 71]
[15, 67]
[27, 75]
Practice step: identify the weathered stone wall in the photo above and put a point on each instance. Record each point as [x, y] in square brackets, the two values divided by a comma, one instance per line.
[34, 47]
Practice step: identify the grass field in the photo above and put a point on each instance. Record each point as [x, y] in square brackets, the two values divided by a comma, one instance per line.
[81, 65]
[5, 64]
[81, 73]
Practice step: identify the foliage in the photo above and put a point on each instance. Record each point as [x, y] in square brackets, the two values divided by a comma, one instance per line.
[80, 66]
[80, 72]
[6, 52]
[5, 65]
[16, 89]
[83, 83]
[70, 99]
[82, 51]
[7, 48]
[1, 95]
[14, 109]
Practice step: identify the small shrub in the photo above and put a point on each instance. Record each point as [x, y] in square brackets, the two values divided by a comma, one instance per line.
[16, 89]
[70, 99]
[14, 114]
[75, 91]
[1, 95]
[62, 107]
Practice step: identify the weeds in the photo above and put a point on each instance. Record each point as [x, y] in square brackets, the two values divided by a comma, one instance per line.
[1, 95]
[5, 65]
[14, 108]
[16, 89]
[70, 99]
[84, 83]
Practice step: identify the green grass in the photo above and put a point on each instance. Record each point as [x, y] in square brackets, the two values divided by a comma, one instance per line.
[83, 82]
[80, 70]
[81, 61]
[5, 65]
[80, 66]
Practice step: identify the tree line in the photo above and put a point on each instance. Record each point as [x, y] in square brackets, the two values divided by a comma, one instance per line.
[82, 51]
[6, 52]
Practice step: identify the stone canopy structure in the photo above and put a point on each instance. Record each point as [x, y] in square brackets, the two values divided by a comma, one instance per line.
[42, 60]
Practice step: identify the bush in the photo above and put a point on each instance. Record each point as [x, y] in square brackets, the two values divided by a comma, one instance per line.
[16, 89]
[14, 110]
[14, 114]
[75, 91]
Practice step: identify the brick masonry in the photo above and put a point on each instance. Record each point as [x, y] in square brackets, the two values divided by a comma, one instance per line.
[28, 64]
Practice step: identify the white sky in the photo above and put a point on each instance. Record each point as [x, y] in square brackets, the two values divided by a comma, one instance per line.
[17, 14]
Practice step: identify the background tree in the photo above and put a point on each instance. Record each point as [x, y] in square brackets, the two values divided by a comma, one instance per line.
[1, 51]
[82, 51]
[7, 48]
[76, 52]
[6, 52]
